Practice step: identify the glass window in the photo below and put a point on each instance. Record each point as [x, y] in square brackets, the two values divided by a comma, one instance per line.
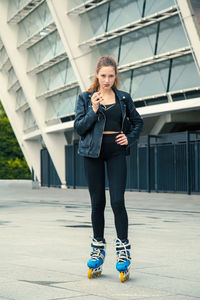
[150, 80]
[93, 23]
[29, 121]
[45, 50]
[124, 12]
[138, 44]
[74, 3]
[184, 73]
[108, 48]
[125, 81]
[20, 100]
[62, 104]
[12, 78]
[153, 6]
[14, 6]
[171, 35]
[34, 22]
[56, 76]
[3, 56]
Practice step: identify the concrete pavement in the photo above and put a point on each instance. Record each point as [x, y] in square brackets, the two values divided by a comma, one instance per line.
[45, 244]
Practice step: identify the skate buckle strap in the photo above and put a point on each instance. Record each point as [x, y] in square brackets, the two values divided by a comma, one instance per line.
[96, 254]
[122, 251]
[123, 256]
[98, 244]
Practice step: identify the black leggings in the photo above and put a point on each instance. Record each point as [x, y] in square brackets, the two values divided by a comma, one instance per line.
[114, 156]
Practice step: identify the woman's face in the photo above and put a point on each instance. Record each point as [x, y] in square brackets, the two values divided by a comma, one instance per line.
[106, 77]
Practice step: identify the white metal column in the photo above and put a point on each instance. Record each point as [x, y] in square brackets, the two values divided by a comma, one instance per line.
[55, 143]
[190, 28]
[68, 27]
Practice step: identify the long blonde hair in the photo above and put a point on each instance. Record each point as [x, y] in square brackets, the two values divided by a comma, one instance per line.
[104, 61]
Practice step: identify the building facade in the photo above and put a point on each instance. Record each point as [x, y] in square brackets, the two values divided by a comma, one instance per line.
[48, 52]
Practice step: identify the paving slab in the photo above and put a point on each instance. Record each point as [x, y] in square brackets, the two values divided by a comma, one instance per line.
[45, 237]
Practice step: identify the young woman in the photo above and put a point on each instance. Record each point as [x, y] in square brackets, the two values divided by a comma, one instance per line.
[107, 123]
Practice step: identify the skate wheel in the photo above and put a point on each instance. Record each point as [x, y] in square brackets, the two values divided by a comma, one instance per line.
[97, 274]
[123, 277]
[90, 273]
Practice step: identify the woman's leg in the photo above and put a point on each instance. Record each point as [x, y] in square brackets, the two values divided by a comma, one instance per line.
[117, 172]
[95, 175]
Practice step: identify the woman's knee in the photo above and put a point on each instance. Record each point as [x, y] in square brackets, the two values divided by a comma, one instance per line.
[118, 206]
[98, 204]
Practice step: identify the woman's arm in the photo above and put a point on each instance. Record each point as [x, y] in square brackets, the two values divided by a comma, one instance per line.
[83, 120]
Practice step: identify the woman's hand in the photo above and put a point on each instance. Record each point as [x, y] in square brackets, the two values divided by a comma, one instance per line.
[121, 139]
[96, 99]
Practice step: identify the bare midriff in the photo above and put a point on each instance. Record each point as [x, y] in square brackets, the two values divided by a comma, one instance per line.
[110, 132]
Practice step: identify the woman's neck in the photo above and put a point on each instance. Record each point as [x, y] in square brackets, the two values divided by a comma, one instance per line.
[106, 93]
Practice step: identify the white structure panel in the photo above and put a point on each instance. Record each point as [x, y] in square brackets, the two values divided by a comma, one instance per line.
[30, 149]
[69, 30]
[190, 28]
[54, 143]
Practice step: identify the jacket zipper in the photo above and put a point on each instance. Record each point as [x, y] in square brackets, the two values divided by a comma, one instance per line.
[91, 133]
[90, 143]
[102, 133]
[123, 122]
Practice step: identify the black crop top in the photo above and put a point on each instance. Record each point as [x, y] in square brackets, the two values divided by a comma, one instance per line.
[113, 116]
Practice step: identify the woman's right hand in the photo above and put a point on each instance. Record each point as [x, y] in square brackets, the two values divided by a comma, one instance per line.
[96, 99]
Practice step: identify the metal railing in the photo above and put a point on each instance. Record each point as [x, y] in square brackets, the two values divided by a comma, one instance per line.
[158, 163]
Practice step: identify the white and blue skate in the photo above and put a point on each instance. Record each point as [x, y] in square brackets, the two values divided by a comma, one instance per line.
[123, 259]
[97, 259]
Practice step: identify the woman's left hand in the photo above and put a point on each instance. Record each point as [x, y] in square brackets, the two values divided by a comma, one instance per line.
[121, 139]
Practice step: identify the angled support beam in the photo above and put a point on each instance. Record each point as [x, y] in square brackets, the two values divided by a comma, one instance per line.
[191, 30]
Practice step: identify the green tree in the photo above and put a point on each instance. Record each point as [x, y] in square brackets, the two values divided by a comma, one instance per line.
[12, 161]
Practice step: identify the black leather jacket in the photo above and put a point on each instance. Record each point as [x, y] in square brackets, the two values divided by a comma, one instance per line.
[90, 125]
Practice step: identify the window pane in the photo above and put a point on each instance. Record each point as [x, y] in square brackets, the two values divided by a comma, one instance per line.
[29, 121]
[14, 6]
[125, 81]
[34, 22]
[62, 104]
[150, 80]
[184, 74]
[138, 44]
[57, 76]
[74, 3]
[20, 100]
[171, 35]
[12, 78]
[153, 6]
[124, 12]
[3, 56]
[45, 49]
[108, 48]
[93, 23]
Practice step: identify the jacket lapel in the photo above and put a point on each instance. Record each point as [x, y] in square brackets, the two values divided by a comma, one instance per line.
[121, 98]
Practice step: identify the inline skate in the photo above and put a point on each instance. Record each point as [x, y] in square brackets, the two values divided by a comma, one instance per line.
[97, 258]
[123, 259]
